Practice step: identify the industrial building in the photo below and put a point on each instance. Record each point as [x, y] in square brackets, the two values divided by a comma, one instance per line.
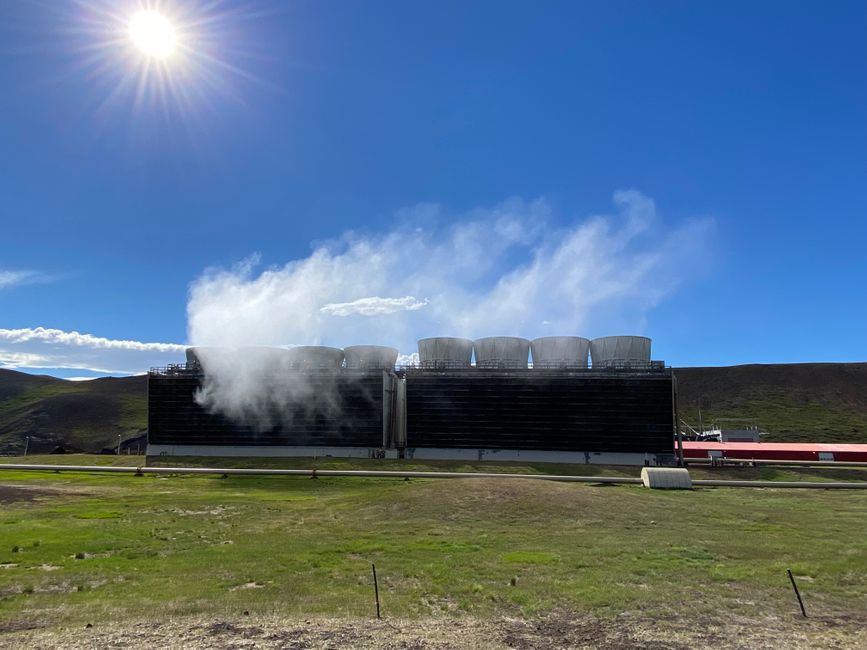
[553, 399]
[776, 451]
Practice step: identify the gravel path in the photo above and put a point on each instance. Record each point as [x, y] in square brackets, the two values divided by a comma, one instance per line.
[554, 631]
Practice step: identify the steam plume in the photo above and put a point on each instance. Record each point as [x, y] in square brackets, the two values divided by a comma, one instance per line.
[505, 270]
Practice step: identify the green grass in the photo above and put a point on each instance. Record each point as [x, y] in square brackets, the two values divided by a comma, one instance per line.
[113, 547]
[789, 416]
[85, 415]
[819, 402]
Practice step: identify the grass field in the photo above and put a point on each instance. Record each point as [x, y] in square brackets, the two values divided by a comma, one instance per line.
[89, 548]
[801, 402]
[85, 415]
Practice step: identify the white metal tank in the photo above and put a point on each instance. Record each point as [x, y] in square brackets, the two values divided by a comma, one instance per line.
[204, 355]
[315, 357]
[445, 352]
[192, 355]
[370, 357]
[260, 359]
[560, 352]
[501, 352]
[620, 350]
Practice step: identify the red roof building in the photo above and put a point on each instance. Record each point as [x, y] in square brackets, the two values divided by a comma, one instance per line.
[776, 451]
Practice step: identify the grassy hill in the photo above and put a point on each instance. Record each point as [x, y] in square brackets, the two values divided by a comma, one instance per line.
[816, 402]
[796, 402]
[82, 415]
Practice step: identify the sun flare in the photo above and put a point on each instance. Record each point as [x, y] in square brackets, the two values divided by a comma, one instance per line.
[174, 58]
[153, 34]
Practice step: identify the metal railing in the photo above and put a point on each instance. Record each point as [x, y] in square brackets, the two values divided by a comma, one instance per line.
[612, 366]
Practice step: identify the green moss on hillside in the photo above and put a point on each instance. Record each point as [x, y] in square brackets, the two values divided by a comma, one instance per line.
[819, 402]
[79, 415]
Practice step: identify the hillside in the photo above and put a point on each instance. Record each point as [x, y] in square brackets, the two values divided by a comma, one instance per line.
[79, 415]
[821, 402]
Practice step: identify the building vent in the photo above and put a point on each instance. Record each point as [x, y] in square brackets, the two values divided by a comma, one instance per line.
[620, 351]
[204, 356]
[370, 357]
[501, 352]
[560, 352]
[192, 355]
[262, 360]
[445, 352]
[315, 357]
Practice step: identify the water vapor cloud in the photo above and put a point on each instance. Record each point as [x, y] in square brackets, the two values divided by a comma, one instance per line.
[510, 269]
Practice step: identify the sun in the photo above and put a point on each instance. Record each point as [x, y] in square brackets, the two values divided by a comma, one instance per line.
[167, 57]
[153, 34]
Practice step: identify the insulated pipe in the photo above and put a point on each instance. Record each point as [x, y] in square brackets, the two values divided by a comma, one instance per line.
[236, 471]
[782, 484]
[241, 471]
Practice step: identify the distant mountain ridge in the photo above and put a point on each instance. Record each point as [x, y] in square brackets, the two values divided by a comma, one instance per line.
[819, 402]
[78, 415]
[816, 402]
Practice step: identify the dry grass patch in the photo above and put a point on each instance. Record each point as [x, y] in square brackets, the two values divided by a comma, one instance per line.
[555, 630]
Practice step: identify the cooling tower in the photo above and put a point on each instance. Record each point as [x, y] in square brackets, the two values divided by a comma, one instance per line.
[619, 350]
[370, 357]
[501, 352]
[445, 352]
[192, 355]
[310, 357]
[202, 356]
[262, 360]
[560, 352]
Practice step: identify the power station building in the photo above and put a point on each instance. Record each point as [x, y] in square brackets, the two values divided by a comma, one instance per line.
[578, 401]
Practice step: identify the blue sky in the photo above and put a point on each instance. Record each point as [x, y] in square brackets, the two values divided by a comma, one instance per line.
[739, 129]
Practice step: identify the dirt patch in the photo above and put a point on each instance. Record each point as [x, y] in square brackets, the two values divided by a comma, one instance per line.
[18, 494]
[9, 494]
[17, 626]
[556, 630]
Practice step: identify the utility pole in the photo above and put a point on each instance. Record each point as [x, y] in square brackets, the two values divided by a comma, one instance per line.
[118, 444]
[26, 444]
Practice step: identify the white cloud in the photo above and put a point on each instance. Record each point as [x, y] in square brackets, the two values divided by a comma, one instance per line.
[9, 279]
[498, 271]
[373, 306]
[408, 359]
[41, 347]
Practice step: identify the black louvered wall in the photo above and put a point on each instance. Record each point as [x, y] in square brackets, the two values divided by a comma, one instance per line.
[546, 410]
[338, 409]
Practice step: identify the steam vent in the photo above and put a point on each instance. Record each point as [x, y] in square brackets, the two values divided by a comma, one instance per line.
[563, 399]
[445, 352]
[501, 352]
[309, 357]
[560, 352]
[613, 350]
[370, 357]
